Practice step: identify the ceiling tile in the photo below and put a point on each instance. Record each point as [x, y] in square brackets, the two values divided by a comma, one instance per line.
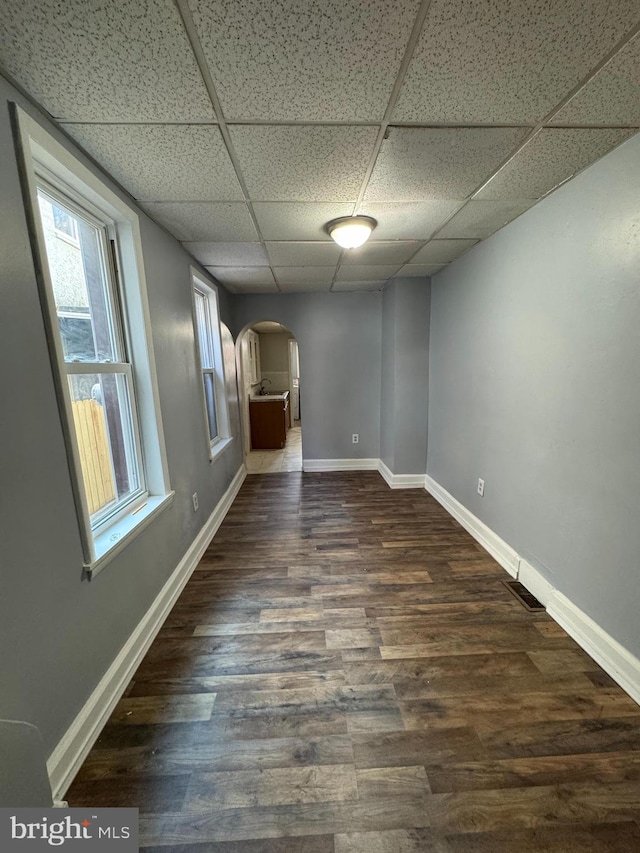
[396, 252]
[204, 220]
[304, 60]
[242, 275]
[303, 163]
[366, 273]
[301, 221]
[551, 157]
[163, 162]
[117, 60]
[481, 218]
[252, 287]
[305, 287]
[419, 270]
[418, 163]
[442, 251]
[228, 254]
[303, 254]
[496, 61]
[408, 220]
[343, 286]
[303, 275]
[611, 97]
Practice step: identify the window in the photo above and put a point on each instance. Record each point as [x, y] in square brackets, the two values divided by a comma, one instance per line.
[98, 372]
[207, 327]
[94, 304]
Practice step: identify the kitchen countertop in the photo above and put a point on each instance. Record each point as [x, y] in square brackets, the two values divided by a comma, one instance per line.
[266, 398]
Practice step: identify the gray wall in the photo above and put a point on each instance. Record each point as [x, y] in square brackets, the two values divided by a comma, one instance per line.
[535, 349]
[60, 633]
[405, 375]
[339, 338]
[274, 352]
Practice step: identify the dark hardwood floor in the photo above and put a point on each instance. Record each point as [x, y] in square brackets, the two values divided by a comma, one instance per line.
[346, 673]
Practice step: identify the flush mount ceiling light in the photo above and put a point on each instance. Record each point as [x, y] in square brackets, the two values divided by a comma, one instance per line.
[351, 231]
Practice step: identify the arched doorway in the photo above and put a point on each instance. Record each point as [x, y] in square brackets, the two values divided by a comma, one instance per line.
[268, 367]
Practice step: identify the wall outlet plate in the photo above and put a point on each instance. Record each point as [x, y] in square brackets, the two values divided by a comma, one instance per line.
[194, 498]
[481, 487]
[355, 438]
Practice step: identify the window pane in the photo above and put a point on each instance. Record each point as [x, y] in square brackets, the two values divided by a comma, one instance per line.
[79, 277]
[203, 323]
[210, 399]
[104, 429]
[64, 222]
[77, 336]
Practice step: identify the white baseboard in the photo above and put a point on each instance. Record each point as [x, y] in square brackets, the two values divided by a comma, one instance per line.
[400, 481]
[616, 661]
[394, 481]
[340, 464]
[67, 757]
[500, 551]
[530, 577]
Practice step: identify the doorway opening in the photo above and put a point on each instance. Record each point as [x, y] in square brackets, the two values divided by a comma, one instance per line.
[268, 364]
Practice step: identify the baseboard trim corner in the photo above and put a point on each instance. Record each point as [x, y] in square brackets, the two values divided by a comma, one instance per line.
[500, 550]
[315, 465]
[400, 481]
[66, 759]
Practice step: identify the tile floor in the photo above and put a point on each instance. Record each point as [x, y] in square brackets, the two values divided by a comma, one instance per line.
[272, 461]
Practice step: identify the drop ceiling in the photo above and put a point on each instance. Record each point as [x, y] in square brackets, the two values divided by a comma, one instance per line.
[243, 126]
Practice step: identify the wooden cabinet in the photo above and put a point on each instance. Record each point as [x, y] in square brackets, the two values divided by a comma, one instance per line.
[269, 423]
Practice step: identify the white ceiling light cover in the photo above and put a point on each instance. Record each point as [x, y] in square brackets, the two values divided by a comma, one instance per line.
[351, 231]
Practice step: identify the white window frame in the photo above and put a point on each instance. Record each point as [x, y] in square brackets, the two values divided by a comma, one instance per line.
[208, 290]
[45, 160]
[102, 519]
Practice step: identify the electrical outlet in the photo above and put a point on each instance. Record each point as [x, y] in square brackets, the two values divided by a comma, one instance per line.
[194, 498]
[481, 487]
[355, 438]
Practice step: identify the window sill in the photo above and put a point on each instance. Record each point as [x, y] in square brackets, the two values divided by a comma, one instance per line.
[124, 531]
[219, 447]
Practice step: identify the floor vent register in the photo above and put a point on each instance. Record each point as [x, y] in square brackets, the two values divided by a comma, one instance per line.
[526, 598]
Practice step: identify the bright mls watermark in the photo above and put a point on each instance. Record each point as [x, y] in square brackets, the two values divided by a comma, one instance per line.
[69, 829]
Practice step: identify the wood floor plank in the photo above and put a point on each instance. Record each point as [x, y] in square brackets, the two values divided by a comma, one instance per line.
[485, 711]
[551, 661]
[566, 737]
[278, 821]
[152, 761]
[586, 838]
[272, 787]
[307, 844]
[167, 792]
[526, 772]
[252, 681]
[525, 808]
[345, 672]
[380, 782]
[164, 709]
[398, 749]
[391, 841]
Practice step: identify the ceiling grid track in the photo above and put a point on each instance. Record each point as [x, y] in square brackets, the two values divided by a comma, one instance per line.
[543, 123]
[230, 124]
[416, 31]
[196, 47]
